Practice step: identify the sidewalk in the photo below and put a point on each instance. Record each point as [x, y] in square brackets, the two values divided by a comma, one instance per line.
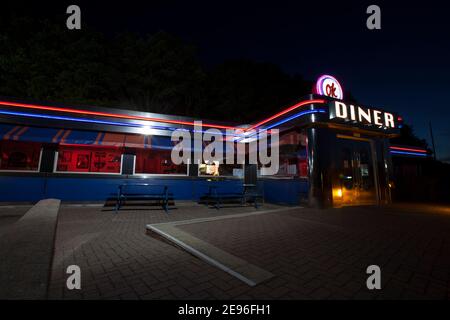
[313, 254]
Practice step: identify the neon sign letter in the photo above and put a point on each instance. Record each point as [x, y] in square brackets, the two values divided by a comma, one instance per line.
[328, 86]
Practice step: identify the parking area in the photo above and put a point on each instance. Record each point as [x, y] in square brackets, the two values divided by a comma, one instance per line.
[313, 254]
[9, 214]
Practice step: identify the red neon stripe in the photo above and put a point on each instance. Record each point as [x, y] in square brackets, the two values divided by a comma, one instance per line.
[409, 149]
[295, 106]
[112, 115]
[124, 116]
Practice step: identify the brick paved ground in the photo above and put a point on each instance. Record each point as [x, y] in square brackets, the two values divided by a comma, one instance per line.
[10, 214]
[26, 251]
[119, 261]
[315, 254]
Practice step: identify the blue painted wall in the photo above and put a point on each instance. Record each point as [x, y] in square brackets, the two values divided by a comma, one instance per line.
[14, 189]
[34, 188]
[284, 191]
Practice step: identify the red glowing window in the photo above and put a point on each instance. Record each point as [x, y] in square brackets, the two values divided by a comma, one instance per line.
[86, 159]
[18, 155]
[157, 162]
[293, 156]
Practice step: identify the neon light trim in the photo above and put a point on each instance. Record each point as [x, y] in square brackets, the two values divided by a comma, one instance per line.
[45, 116]
[124, 116]
[297, 115]
[409, 153]
[295, 106]
[111, 115]
[113, 123]
[408, 149]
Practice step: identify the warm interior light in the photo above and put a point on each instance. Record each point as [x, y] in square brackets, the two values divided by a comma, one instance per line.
[337, 193]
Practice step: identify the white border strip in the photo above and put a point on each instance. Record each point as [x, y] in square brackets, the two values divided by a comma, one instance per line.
[223, 217]
[202, 256]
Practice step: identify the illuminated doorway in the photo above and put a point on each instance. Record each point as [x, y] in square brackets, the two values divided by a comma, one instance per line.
[355, 180]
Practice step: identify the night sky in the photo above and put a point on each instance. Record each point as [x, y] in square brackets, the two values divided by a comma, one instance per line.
[403, 67]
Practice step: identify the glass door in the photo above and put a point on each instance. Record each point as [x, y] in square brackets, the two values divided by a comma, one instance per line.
[354, 182]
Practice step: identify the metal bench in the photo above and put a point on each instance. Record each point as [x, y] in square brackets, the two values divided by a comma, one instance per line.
[143, 191]
[218, 195]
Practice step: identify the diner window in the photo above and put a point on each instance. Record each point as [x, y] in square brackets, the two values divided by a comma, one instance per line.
[157, 161]
[88, 159]
[19, 155]
[293, 158]
[214, 168]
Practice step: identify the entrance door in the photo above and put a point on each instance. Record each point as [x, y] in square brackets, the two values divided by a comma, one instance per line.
[355, 182]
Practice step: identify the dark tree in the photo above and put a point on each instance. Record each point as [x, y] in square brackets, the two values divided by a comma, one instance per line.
[408, 137]
[243, 90]
[45, 61]
[158, 74]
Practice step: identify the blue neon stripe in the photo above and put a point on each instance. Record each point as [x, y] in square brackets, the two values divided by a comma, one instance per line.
[409, 153]
[297, 115]
[113, 123]
[41, 116]
[137, 125]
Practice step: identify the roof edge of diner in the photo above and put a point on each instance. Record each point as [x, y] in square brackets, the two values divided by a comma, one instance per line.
[5, 100]
[324, 105]
[50, 107]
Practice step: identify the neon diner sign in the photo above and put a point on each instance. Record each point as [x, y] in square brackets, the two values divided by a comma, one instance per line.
[328, 86]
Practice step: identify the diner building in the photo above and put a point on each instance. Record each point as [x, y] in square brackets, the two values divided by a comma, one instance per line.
[331, 152]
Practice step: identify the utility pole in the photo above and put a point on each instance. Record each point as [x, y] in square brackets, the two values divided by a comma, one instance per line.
[432, 141]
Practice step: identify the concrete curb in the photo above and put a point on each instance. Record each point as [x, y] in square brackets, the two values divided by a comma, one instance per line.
[26, 252]
[246, 272]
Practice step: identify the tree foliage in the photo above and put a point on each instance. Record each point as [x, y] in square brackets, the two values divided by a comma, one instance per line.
[43, 60]
[407, 137]
[157, 73]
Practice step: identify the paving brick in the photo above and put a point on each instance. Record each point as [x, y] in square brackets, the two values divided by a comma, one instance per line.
[314, 254]
[320, 294]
